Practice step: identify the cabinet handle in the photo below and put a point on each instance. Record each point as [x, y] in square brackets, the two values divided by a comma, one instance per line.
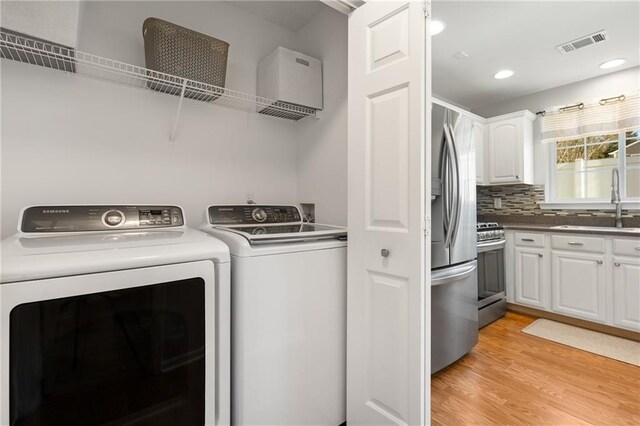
[575, 243]
[539, 254]
[616, 263]
[384, 253]
[527, 239]
[637, 248]
[599, 262]
[517, 177]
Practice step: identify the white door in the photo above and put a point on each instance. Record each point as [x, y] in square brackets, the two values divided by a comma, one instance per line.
[504, 151]
[530, 277]
[579, 285]
[388, 315]
[626, 293]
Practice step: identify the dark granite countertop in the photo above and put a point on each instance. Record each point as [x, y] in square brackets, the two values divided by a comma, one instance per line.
[551, 228]
[544, 223]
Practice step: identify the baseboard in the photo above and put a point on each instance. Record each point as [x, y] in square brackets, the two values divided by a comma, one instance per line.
[614, 331]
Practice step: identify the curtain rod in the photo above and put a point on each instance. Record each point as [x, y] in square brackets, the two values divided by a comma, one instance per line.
[570, 107]
[615, 98]
[580, 105]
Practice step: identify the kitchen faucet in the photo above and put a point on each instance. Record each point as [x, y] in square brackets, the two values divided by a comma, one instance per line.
[615, 196]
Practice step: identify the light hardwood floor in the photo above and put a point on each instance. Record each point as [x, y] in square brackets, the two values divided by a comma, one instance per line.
[512, 378]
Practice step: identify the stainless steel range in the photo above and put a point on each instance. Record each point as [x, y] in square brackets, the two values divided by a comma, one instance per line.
[492, 302]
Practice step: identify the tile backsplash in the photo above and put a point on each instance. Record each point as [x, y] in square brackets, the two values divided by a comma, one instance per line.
[520, 203]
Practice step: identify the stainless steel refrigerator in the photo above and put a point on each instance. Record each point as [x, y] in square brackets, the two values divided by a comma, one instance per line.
[454, 309]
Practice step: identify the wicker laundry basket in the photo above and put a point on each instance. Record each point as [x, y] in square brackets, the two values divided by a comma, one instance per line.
[182, 52]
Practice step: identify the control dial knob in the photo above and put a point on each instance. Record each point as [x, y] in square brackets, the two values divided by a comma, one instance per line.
[259, 215]
[113, 218]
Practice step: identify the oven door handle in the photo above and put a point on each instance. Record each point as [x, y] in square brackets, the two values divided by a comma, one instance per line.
[494, 245]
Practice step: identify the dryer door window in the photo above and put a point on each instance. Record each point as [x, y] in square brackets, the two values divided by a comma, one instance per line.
[132, 356]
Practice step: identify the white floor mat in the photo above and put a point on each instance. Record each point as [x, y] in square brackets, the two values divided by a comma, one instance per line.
[588, 340]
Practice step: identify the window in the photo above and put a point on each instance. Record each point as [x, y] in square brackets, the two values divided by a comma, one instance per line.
[583, 167]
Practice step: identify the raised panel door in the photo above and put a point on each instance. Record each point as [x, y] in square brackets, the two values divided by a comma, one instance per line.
[579, 285]
[387, 309]
[478, 138]
[505, 140]
[530, 276]
[626, 293]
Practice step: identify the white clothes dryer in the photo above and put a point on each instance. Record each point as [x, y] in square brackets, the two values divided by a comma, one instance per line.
[113, 315]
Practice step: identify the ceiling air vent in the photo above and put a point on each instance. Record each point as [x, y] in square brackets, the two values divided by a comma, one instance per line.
[589, 40]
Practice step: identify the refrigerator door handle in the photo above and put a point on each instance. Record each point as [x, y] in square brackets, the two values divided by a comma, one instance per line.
[454, 274]
[446, 186]
[453, 186]
[455, 221]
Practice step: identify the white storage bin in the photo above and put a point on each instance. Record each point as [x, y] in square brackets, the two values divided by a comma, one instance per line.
[292, 77]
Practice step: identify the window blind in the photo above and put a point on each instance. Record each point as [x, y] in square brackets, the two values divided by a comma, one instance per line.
[592, 120]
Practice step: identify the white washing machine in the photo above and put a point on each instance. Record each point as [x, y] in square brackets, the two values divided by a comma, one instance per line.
[113, 315]
[288, 298]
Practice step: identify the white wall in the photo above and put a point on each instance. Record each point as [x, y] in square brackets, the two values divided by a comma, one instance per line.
[322, 144]
[613, 84]
[53, 21]
[69, 139]
[114, 29]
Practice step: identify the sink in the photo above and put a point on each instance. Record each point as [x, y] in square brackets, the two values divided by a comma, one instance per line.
[596, 228]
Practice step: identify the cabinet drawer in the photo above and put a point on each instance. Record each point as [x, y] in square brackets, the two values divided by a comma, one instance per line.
[529, 240]
[626, 246]
[578, 243]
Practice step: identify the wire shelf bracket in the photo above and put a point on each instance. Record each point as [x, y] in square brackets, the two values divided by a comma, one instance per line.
[35, 52]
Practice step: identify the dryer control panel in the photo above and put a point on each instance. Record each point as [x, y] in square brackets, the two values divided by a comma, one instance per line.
[252, 214]
[99, 218]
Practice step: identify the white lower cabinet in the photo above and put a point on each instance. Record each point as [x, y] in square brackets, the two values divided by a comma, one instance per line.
[578, 285]
[591, 277]
[626, 292]
[530, 277]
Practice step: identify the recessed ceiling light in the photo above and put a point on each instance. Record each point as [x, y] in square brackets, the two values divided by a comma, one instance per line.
[437, 27]
[612, 63]
[503, 74]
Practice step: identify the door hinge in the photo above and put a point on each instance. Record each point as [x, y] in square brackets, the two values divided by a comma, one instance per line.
[426, 226]
[426, 9]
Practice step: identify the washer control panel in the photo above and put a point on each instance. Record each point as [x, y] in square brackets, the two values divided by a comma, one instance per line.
[99, 218]
[251, 214]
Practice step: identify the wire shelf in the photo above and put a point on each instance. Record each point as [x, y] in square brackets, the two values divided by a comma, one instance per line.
[36, 52]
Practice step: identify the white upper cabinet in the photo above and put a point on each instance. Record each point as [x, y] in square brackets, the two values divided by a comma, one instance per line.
[478, 132]
[509, 149]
